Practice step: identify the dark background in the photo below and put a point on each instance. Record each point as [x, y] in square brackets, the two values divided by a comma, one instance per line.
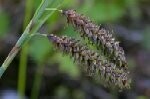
[51, 75]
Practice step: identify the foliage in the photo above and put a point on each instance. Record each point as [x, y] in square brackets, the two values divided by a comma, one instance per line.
[38, 57]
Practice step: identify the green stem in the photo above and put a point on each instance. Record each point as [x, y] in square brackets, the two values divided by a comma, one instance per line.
[22, 71]
[37, 81]
[37, 20]
[24, 52]
[15, 49]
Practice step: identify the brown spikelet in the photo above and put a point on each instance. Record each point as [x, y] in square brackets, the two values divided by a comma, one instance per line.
[96, 65]
[99, 36]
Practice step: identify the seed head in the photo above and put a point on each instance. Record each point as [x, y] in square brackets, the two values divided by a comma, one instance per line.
[95, 64]
[101, 37]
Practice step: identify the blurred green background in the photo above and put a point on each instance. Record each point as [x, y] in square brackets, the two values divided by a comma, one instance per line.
[41, 72]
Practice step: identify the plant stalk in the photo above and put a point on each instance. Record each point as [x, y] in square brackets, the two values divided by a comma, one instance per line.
[31, 29]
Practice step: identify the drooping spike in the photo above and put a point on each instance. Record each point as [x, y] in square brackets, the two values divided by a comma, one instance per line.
[93, 62]
[100, 36]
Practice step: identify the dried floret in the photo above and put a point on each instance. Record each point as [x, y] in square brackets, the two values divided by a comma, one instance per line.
[95, 64]
[99, 36]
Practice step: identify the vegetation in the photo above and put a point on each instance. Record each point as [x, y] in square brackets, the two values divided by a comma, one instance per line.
[102, 53]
